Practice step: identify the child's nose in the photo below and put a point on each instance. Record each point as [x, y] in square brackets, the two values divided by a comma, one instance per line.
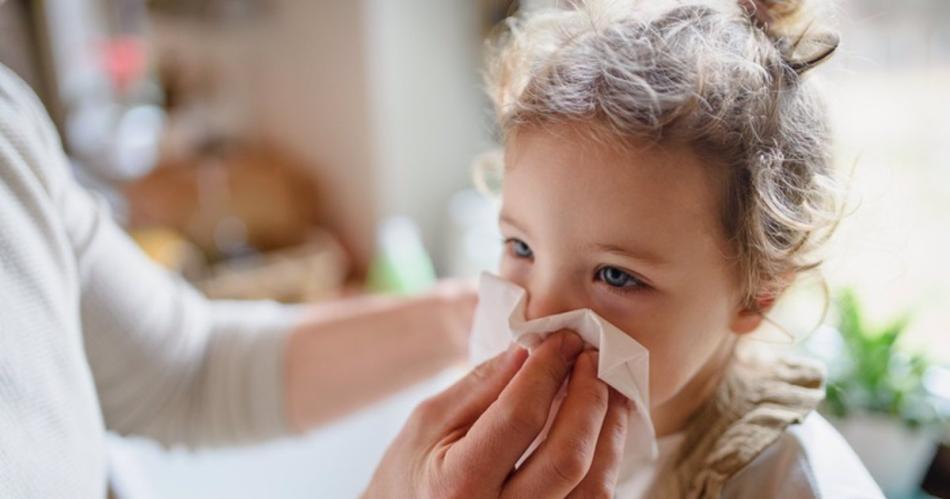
[550, 298]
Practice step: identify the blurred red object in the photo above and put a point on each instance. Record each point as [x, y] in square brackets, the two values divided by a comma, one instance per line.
[124, 60]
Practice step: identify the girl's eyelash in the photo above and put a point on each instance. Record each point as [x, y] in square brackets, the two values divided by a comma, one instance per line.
[518, 248]
[639, 284]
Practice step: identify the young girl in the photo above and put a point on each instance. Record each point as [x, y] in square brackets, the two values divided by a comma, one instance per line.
[667, 165]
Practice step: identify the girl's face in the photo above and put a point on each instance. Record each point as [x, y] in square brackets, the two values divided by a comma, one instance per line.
[634, 236]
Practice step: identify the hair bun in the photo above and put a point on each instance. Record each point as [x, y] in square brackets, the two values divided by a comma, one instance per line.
[795, 30]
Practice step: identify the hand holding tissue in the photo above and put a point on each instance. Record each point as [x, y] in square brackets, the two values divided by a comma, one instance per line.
[624, 364]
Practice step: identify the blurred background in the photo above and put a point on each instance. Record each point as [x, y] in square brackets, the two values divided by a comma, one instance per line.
[299, 150]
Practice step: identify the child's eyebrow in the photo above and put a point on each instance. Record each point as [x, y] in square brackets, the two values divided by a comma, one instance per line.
[637, 253]
[641, 254]
[506, 219]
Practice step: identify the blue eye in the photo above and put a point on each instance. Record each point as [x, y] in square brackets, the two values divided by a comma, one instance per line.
[519, 248]
[614, 277]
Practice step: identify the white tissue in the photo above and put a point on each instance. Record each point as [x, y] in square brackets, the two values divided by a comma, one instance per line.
[624, 364]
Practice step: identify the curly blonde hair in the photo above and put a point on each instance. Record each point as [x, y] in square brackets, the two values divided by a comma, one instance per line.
[724, 77]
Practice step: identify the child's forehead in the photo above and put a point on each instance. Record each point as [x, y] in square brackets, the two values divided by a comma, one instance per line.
[556, 184]
[587, 138]
[559, 159]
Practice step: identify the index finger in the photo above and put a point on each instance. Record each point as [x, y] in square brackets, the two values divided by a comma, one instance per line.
[461, 404]
[564, 458]
[503, 433]
[601, 479]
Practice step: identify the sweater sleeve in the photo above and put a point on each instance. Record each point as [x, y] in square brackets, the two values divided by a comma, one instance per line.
[167, 363]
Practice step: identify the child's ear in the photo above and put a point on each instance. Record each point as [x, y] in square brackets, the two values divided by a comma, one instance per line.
[748, 317]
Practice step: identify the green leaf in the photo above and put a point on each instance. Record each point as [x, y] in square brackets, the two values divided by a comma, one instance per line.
[876, 375]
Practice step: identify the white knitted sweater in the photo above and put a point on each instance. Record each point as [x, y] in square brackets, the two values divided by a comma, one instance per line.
[94, 336]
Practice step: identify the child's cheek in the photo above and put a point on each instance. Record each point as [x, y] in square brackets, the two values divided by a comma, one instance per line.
[634, 315]
[514, 270]
[644, 320]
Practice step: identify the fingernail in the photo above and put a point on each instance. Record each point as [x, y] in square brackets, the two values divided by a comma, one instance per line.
[571, 346]
[514, 350]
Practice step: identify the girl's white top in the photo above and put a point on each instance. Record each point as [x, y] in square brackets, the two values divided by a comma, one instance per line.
[809, 461]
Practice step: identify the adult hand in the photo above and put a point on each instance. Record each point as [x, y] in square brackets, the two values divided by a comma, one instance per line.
[390, 343]
[465, 441]
[454, 311]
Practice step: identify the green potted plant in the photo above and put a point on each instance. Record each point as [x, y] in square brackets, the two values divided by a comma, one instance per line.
[877, 399]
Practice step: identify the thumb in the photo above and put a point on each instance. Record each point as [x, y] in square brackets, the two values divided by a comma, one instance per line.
[461, 404]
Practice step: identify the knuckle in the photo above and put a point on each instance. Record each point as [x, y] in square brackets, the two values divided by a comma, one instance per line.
[482, 372]
[569, 467]
[597, 395]
[570, 457]
[613, 441]
[522, 417]
[615, 430]
[554, 370]
[444, 490]
[460, 484]
[593, 490]
[464, 490]
[615, 425]
[425, 414]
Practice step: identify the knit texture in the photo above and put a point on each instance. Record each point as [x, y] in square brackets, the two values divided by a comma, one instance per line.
[752, 408]
[93, 335]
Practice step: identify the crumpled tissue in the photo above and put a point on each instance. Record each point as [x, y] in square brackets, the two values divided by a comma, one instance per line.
[624, 364]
